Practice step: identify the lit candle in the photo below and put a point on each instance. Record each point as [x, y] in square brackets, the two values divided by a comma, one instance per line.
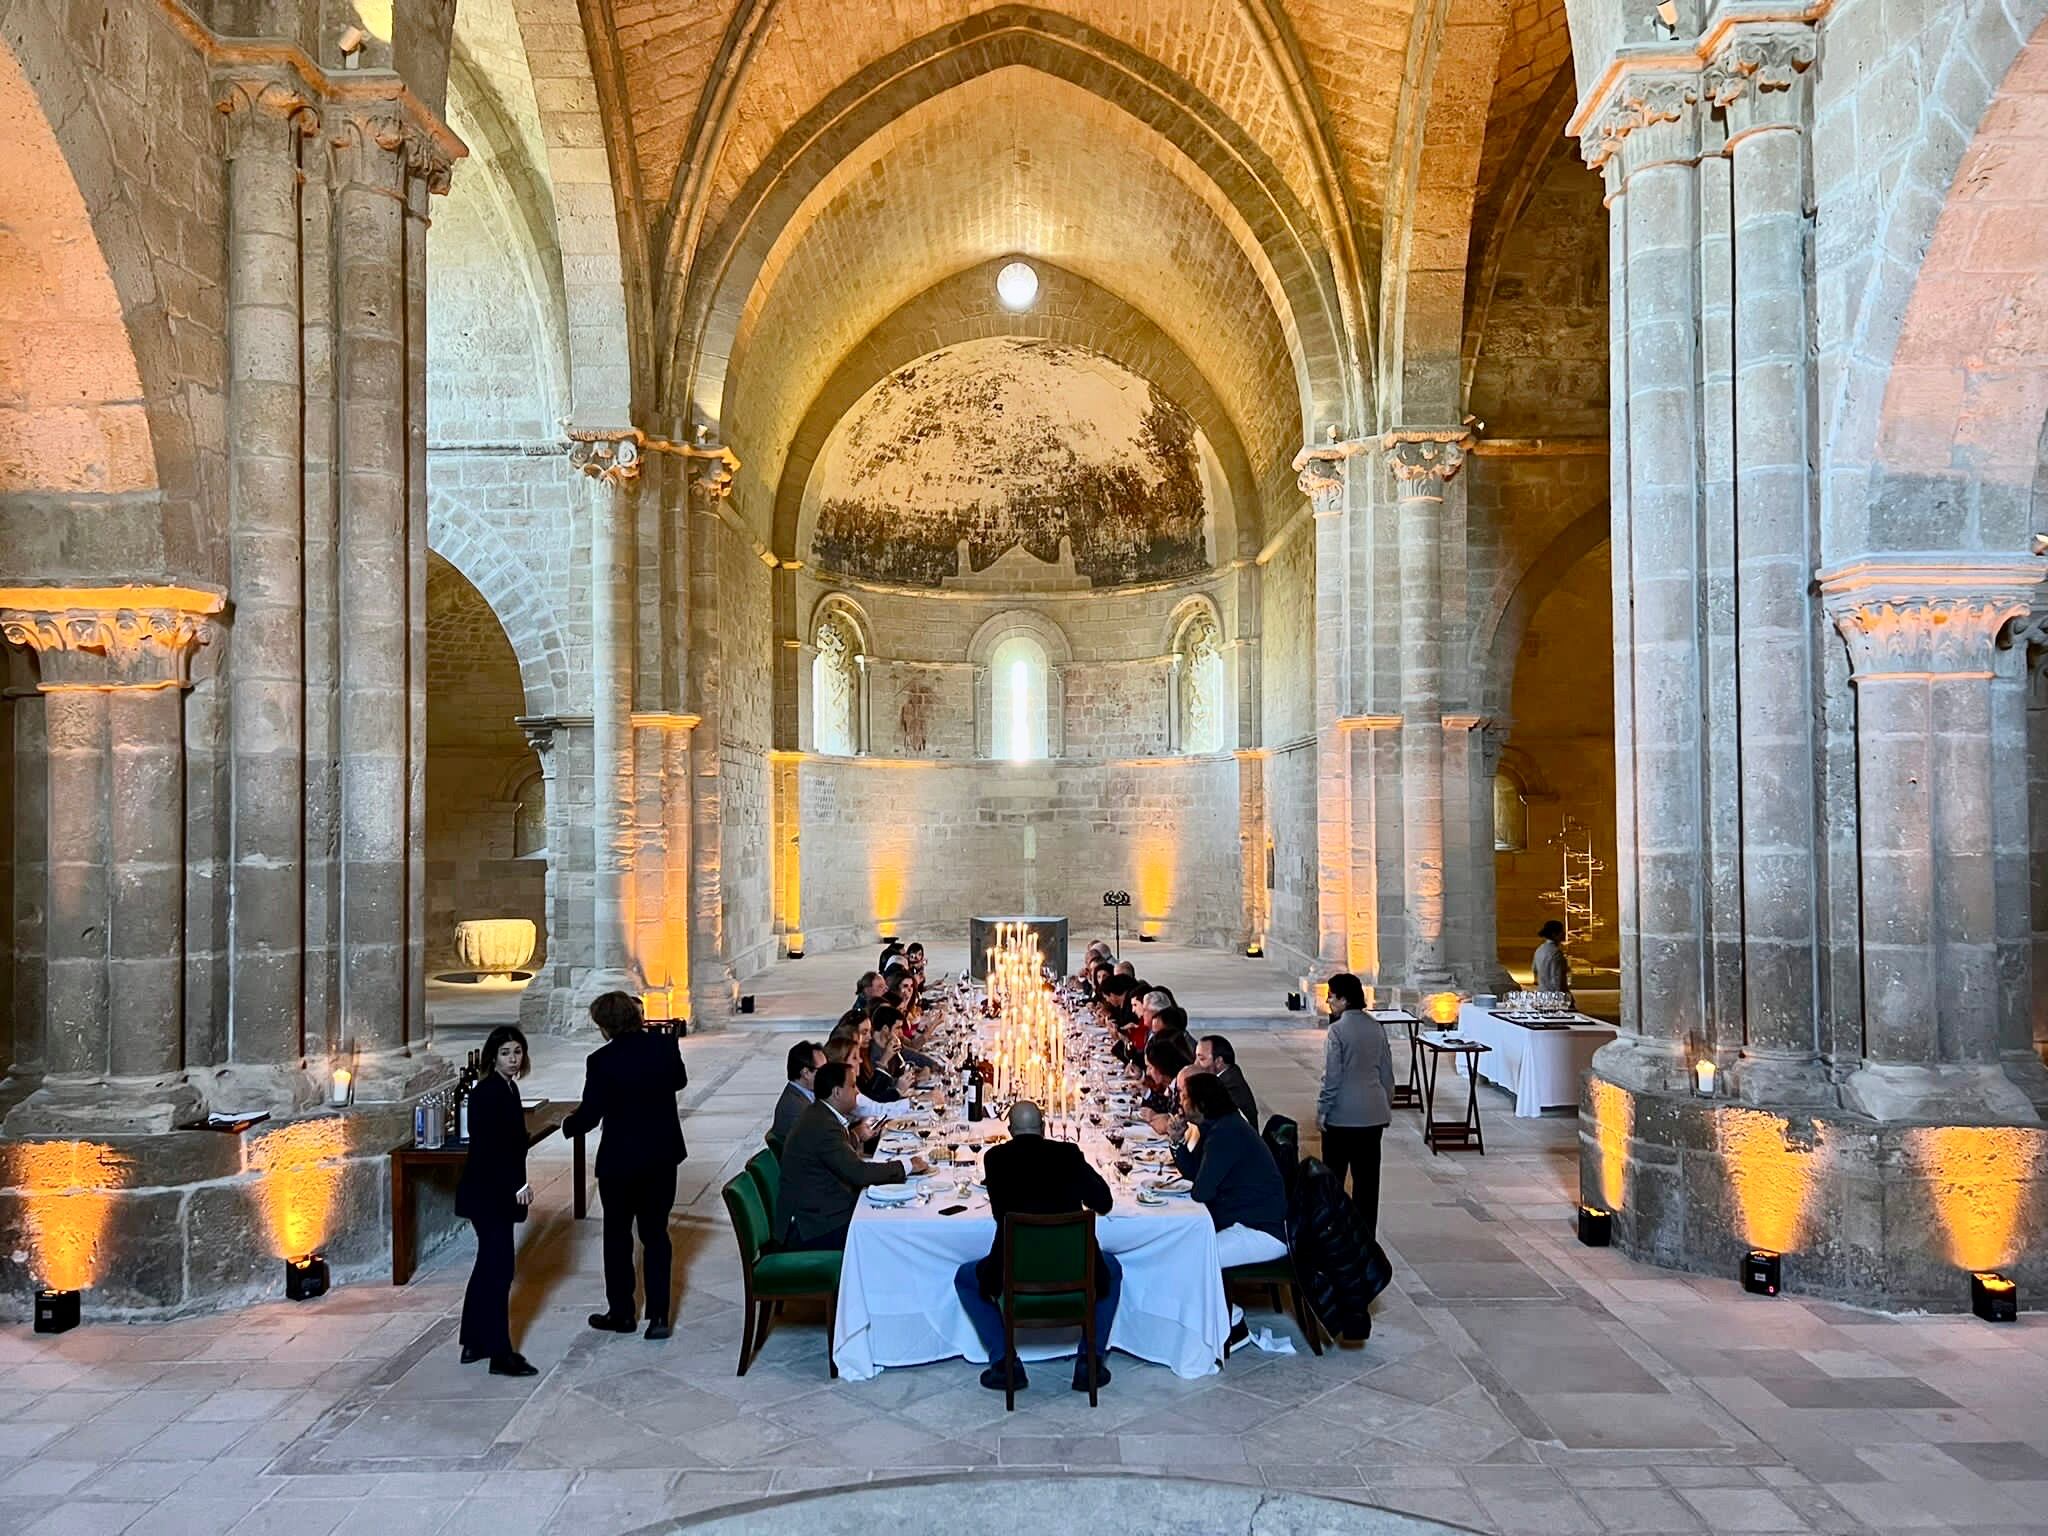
[337, 1089]
[1703, 1076]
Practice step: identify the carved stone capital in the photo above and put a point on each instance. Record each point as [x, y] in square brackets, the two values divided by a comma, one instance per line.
[1319, 470]
[613, 457]
[428, 160]
[1759, 77]
[369, 146]
[263, 109]
[110, 638]
[1920, 617]
[1424, 460]
[711, 477]
[1648, 118]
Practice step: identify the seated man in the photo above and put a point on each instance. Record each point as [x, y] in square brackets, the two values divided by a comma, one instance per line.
[805, 1057]
[823, 1172]
[1037, 1177]
[1235, 1177]
[868, 1113]
[1214, 1055]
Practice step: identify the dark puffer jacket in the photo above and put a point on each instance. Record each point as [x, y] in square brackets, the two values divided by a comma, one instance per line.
[1341, 1271]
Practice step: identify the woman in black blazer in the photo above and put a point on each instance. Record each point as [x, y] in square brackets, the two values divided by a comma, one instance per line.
[493, 1195]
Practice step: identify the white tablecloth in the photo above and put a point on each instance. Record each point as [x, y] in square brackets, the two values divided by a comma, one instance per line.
[1542, 1068]
[897, 1304]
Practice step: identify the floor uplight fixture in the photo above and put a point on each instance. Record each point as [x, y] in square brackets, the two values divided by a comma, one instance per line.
[1994, 1297]
[56, 1311]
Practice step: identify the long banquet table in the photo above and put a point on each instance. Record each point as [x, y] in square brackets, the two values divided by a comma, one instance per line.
[1542, 1068]
[897, 1302]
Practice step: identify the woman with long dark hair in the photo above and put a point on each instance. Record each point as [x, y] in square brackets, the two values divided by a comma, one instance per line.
[493, 1195]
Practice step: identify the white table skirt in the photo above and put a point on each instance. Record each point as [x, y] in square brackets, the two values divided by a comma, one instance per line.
[897, 1304]
[1542, 1068]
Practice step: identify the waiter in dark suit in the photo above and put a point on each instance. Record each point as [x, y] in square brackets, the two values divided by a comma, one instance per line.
[823, 1171]
[630, 1085]
[493, 1195]
[1036, 1177]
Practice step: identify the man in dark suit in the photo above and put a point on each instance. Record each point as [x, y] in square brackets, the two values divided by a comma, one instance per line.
[798, 1093]
[1214, 1055]
[823, 1172]
[1036, 1177]
[630, 1085]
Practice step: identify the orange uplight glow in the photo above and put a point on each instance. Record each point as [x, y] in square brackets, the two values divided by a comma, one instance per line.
[1977, 1176]
[1442, 1007]
[299, 1167]
[888, 884]
[1614, 1124]
[1154, 878]
[68, 1194]
[1773, 1177]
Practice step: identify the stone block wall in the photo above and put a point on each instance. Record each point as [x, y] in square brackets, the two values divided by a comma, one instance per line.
[928, 844]
[1287, 707]
[746, 647]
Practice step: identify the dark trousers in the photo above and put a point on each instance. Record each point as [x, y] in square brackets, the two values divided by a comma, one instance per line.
[641, 1199]
[1357, 1148]
[487, 1303]
[833, 1240]
[987, 1316]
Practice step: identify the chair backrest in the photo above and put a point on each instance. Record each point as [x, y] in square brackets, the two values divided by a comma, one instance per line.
[1283, 1139]
[1049, 1255]
[774, 1145]
[765, 1169]
[749, 1219]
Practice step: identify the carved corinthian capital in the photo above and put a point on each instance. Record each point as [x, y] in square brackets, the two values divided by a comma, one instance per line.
[369, 144]
[1319, 470]
[263, 109]
[1648, 118]
[613, 457]
[1758, 78]
[108, 638]
[1424, 460]
[1916, 618]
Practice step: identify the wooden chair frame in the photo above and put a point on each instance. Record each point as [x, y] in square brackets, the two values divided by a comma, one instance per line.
[1011, 1290]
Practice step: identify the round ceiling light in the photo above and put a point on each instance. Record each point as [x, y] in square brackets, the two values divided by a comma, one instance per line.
[1017, 286]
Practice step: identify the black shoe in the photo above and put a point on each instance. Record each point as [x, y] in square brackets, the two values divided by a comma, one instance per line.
[992, 1378]
[1081, 1375]
[1240, 1332]
[658, 1328]
[514, 1364]
[605, 1322]
[471, 1356]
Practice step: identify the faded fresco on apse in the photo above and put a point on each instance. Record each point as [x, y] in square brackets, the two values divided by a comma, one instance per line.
[1011, 443]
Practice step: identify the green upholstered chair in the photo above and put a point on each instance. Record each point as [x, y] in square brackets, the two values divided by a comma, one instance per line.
[1278, 1276]
[765, 1168]
[774, 1144]
[774, 1278]
[1048, 1278]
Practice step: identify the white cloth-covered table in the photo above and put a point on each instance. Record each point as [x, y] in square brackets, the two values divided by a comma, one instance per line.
[897, 1304]
[1542, 1068]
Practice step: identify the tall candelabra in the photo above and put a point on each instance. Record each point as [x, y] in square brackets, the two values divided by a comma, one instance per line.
[1027, 1043]
[1574, 896]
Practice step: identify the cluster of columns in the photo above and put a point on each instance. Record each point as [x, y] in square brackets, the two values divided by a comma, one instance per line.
[1808, 887]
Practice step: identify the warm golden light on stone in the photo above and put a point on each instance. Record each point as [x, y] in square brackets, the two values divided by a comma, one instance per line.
[1771, 1175]
[1614, 1122]
[1977, 1177]
[299, 1181]
[69, 1195]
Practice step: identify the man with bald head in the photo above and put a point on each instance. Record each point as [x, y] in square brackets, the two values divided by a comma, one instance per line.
[1029, 1175]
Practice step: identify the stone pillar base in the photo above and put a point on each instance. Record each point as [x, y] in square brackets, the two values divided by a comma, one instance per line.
[1956, 1094]
[399, 1076]
[105, 1107]
[2025, 1071]
[1771, 1078]
[1880, 1213]
[282, 1088]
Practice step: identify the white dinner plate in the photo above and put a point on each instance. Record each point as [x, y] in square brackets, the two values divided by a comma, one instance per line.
[892, 1194]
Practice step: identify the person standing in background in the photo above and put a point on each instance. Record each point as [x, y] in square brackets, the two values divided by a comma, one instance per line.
[1552, 965]
[492, 1196]
[1356, 1101]
[630, 1085]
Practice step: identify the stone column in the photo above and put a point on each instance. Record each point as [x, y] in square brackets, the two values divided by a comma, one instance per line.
[1921, 637]
[1644, 137]
[611, 464]
[114, 666]
[1423, 465]
[30, 809]
[1759, 79]
[712, 992]
[267, 118]
[378, 295]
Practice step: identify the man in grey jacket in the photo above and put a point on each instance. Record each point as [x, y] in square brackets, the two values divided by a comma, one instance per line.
[1355, 1103]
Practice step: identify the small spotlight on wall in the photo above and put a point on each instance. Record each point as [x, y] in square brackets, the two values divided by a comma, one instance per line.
[1148, 938]
[1760, 1272]
[305, 1278]
[1296, 1002]
[56, 1311]
[1596, 1227]
[1254, 950]
[1995, 1298]
[885, 931]
[794, 946]
[746, 1002]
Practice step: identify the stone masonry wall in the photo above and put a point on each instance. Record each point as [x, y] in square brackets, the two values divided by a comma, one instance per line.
[1287, 654]
[927, 845]
[746, 644]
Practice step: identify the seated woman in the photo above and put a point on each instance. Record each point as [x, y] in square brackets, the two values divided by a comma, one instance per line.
[1234, 1176]
[1165, 1056]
